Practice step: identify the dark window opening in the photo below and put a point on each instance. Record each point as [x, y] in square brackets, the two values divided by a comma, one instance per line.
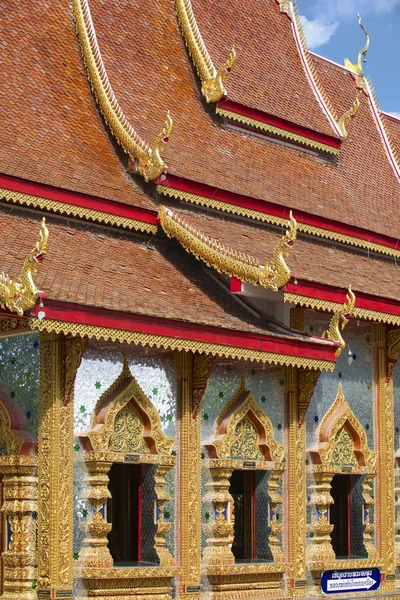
[346, 516]
[242, 489]
[123, 511]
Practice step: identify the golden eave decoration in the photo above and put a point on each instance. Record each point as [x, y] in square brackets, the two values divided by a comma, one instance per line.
[212, 80]
[357, 68]
[346, 118]
[20, 294]
[273, 275]
[339, 321]
[148, 159]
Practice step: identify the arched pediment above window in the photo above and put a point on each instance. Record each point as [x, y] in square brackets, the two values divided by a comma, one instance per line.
[244, 431]
[15, 439]
[126, 421]
[342, 441]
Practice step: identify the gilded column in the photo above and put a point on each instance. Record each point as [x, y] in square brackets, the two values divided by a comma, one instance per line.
[385, 448]
[190, 506]
[55, 466]
[20, 508]
[296, 486]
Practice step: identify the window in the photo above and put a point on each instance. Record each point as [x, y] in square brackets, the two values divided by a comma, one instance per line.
[242, 489]
[346, 516]
[124, 512]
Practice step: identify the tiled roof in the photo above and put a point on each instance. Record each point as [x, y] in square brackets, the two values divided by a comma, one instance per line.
[392, 127]
[92, 267]
[267, 59]
[62, 140]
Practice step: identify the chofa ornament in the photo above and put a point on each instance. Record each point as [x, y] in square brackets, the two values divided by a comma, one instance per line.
[339, 321]
[20, 294]
[273, 275]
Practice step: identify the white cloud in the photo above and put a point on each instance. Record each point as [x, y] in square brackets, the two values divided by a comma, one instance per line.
[317, 32]
[336, 9]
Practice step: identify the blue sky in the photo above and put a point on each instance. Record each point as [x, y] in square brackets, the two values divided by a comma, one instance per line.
[332, 30]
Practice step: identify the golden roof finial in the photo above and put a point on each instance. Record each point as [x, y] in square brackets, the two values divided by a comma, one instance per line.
[212, 80]
[348, 116]
[357, 68]
[148, 160]
[20, 295]
[339, 321]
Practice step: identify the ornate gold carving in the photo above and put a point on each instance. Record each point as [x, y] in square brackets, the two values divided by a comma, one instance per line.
[357, 68]
[393, 350]
[268, 218]
[95, 552]
[341, 442]
[339, 321]
[10, 444]
[278, 131]
[307, 382]
[296, 483]
[74, 350]
[87, 214]
[297, 318]
[149, 162]
[55, 467]
[166, 558]
[213, 81]
[286, 6]
[272, 275]
[20, 506]
[202, 365]
[114, 431]
[244, 406]
[346, 118]
[243, 431]
[192, 369]
[20, 295]
[384, 403]
[10, 325]
[172, 343]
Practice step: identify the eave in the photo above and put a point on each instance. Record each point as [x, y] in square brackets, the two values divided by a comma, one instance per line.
[318, 296]
[258, 120]
[268, 212]
[92, 322]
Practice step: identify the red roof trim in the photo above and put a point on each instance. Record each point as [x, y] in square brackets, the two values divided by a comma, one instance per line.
[75, 313]
[336, 294]
[264, 117]
[49, 192]
[264, 206]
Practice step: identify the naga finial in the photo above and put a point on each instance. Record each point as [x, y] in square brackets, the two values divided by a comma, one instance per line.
[357, 68]
[339, 321]
[224, 259]
[213, 80]
[348, 116]
[148, 160]
[20, 295]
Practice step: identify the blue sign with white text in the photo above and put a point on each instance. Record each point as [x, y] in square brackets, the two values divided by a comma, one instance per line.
[351, 580]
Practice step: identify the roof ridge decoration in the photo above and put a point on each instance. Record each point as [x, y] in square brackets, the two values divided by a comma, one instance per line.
[20, 294]
[346, 118]
[339, 321]
[357, 68]
[148, 159]
[273, 275]
[290, 8]
[212, 80]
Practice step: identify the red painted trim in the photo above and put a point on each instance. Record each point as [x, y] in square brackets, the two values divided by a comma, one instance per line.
[269, 119]
[264, 206]
[49, 192]
[335, 294]
[75, 313]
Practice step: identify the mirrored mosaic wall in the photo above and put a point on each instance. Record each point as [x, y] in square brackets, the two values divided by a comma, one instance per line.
[20, 374]
[157, 377]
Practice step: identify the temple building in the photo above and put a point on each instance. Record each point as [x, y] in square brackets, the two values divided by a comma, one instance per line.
[199, 307]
